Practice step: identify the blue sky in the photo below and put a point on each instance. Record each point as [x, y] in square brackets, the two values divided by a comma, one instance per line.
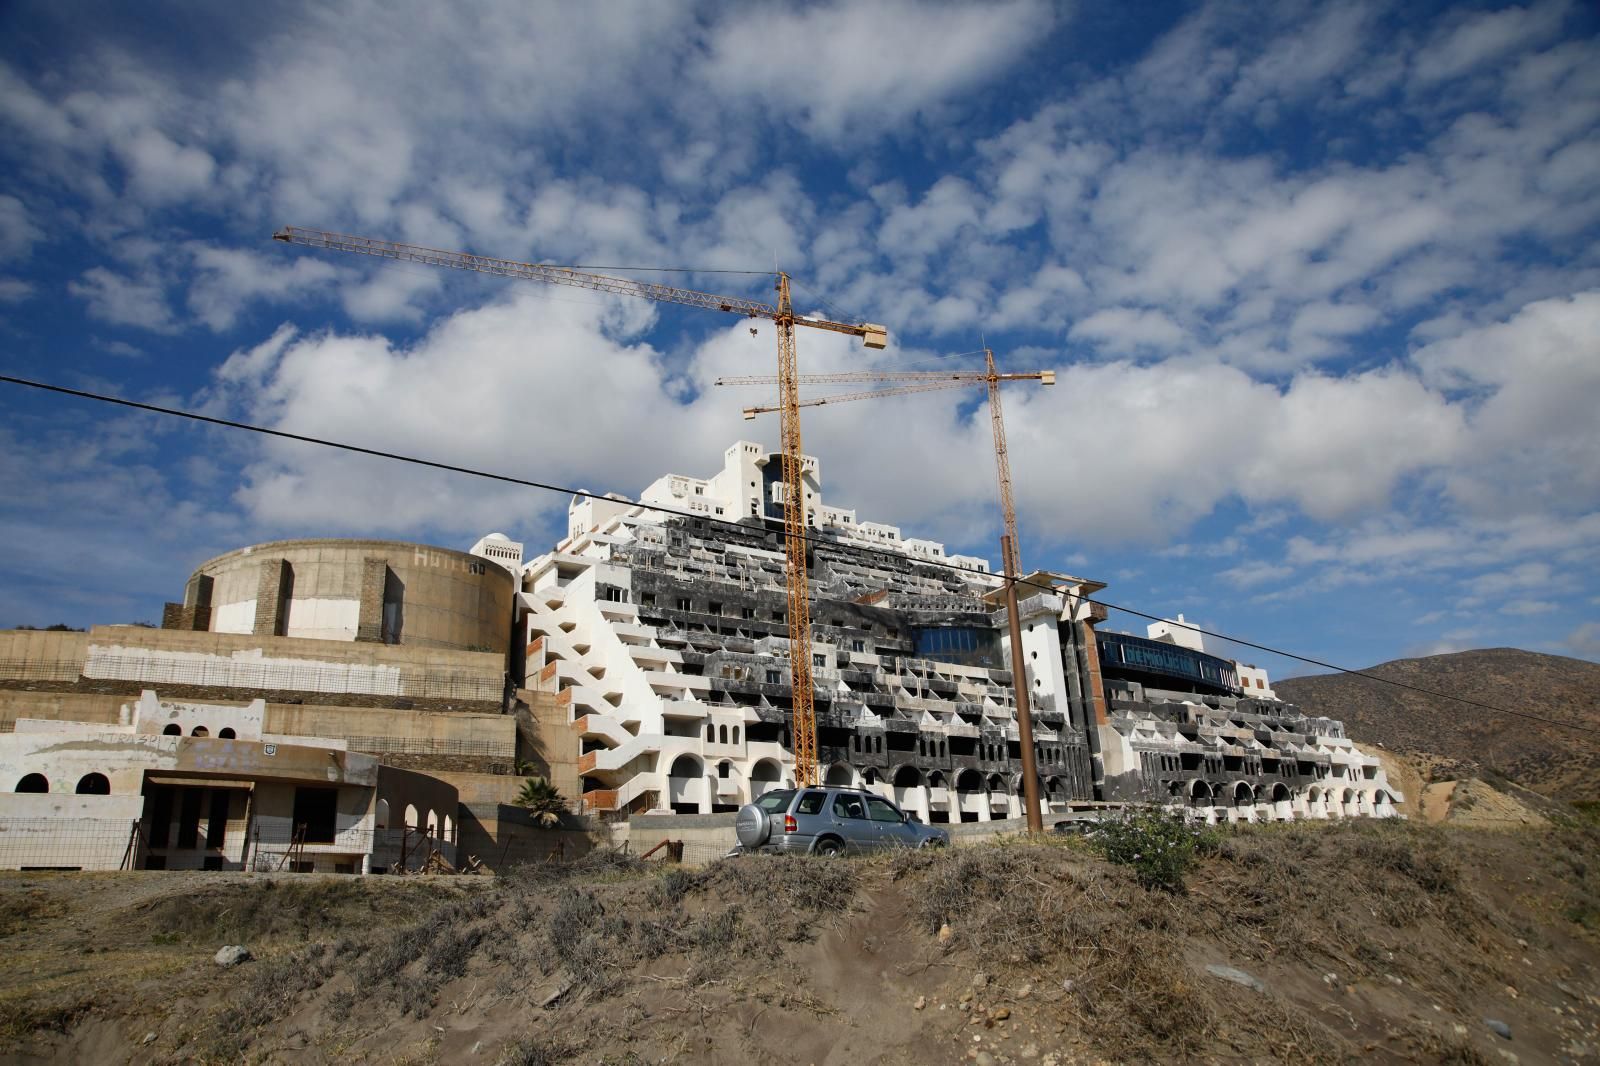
[1320, 282]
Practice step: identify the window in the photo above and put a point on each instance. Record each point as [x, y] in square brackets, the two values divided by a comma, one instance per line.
[774, 678]
[616, 595]
[724, 768]
[881, 810]
[226, 733]
[858, 645]
[199, 731]
[847, 806]
[34, 783]
[173, 730]
[773, 801]
[93, 785]
[714, 607]
[684, 604]
[648, 599]
[811, 803]
[819, 662]
[747, 612]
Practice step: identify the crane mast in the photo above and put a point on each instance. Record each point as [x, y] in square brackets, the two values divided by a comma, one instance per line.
[782, 316]
[929, 381]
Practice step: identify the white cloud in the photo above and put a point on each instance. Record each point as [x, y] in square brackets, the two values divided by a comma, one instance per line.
[1533, 386]
[227, 279]
[1475, 39]
[15, 290]
[125, 301]
[18, 234]
[843, 67]
[1250, 575]
[1584, 641]
[1127, 329]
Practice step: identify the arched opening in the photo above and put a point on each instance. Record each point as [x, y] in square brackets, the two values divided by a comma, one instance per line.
[1243, 795]
[686, 786]
[736, 734]
[226, 733]
[685, 765]
[907, 777]
[94, 785]
[449, 830]
[173, 730]
[412, 821]
[722, 734]
[33, 783]
[1199, 793]
[839, 774]
[199, 731]
[764, 777]
[380, 818]
[969, 795]
[869, 777]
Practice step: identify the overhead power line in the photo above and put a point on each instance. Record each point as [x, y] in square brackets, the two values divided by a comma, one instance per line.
[546, 486]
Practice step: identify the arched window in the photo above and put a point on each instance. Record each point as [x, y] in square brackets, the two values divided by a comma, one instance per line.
[33, 783]
[94, 785]
[173, 730]
[736, 734]
[412, 821]
[199, 731]
[710, 735]
[226, 733]
[381, 819]
[722, 734]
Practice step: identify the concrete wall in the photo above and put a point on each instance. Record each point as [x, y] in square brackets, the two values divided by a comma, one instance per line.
[30, 654]
[369, 590]
[161, 657]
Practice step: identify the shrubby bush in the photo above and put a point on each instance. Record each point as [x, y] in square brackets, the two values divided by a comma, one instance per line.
[1158, 842]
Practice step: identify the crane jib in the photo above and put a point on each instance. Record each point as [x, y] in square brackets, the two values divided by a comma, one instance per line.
[874, 336]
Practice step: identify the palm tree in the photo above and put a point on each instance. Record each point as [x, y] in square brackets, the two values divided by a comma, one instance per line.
[542, 798]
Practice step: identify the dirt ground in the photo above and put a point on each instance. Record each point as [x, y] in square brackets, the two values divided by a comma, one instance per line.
[1385, 942]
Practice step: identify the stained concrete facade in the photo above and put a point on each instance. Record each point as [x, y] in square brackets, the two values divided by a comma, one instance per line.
[182, 785]
[664, 639]
[373, 591]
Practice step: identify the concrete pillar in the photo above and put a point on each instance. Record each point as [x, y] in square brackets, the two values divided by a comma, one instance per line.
[274, 589]
[369, 622]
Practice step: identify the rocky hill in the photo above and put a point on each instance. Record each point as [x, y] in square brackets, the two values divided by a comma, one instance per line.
[1552, 759]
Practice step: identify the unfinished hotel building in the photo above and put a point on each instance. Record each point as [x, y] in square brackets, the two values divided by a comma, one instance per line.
[665, 638]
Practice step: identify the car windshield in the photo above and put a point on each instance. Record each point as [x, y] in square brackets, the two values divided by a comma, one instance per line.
[776, 800]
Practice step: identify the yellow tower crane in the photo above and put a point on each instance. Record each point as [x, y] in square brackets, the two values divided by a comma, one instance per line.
[781, 315]
[909, 381]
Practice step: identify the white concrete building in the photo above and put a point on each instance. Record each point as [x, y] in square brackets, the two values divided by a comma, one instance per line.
[188, 785]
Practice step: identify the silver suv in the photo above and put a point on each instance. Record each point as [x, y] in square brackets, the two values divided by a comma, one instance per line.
[829, 820]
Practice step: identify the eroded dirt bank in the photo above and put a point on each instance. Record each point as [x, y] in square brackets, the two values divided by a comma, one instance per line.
[1373, 941]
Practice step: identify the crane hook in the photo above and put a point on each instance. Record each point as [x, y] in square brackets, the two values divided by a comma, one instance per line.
[754, 332]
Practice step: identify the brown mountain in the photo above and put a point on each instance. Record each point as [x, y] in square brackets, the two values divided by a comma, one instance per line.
[1557, 761]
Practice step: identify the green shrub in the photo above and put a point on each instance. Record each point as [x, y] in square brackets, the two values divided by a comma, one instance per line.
[1159, 843]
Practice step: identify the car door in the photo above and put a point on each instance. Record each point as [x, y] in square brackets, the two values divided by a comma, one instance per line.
[850, 820]
[892, 828]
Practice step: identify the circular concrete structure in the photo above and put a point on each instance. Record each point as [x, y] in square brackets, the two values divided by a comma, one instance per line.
[382, 591]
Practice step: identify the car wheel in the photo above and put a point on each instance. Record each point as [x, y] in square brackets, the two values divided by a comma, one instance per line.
[828, 848]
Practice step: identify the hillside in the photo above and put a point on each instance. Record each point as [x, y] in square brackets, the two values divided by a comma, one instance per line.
[1547, 758]
[1392, 942]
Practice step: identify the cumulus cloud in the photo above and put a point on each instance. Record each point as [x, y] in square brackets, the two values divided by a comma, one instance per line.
[876, 65]
[124, 300]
